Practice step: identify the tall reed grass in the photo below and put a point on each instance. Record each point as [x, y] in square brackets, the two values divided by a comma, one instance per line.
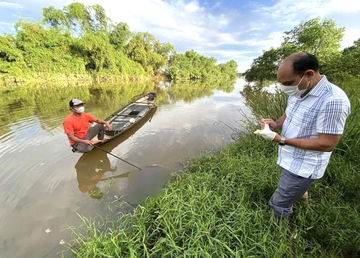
[349, 145]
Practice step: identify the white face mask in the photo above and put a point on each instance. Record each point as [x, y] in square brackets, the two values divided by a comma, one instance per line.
[79, 110]
[290, 90]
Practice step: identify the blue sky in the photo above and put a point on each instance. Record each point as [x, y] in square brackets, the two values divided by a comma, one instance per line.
[236, 29]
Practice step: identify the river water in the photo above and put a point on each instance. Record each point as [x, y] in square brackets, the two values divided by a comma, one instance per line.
[45, 188]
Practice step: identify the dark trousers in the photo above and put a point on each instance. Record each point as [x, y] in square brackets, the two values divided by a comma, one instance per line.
[291, 187]
[98, 130]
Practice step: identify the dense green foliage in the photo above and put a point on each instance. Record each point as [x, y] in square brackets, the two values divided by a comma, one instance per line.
[321, 38]
[81, 40]
[194, 66]
[11, 58]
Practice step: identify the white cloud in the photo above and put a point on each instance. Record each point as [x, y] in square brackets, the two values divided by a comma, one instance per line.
[9, 5]
[222, 29]
[226, 34]
[6, 23]
[192, 7]
[349, 38]
[290, 13]
[6, 26]
[343, 6]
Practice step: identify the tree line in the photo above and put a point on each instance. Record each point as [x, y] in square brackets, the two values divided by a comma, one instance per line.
[80, 39]
[319, 37]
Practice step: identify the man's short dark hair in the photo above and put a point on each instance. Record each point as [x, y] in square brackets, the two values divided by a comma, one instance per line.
[303, 62]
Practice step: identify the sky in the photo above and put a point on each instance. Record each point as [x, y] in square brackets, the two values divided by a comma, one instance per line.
[237, 30]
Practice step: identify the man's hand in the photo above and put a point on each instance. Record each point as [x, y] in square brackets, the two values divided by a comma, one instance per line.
[87, 142]
[96, 141]
[272, 124]
[106, 123]
[91, 142]
[108, 126]
[266, 133]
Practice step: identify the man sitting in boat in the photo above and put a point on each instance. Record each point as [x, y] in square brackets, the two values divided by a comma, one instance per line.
[76, 126]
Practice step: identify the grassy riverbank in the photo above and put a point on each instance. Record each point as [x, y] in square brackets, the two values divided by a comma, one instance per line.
[219, 206]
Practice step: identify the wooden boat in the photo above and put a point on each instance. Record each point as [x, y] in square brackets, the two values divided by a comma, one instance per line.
[129, 115]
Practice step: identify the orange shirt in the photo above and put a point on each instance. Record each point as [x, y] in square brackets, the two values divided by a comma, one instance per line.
[78, 125]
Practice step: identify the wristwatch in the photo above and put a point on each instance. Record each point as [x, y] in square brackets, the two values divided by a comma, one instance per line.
[282, 141]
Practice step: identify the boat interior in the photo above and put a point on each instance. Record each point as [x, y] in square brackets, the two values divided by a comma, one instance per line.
[122, 119]
[129, 115]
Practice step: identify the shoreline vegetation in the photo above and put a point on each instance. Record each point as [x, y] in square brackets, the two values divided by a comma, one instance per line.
[218, 205]
[79, 43]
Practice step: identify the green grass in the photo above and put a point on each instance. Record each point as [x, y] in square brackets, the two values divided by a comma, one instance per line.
[218, 207]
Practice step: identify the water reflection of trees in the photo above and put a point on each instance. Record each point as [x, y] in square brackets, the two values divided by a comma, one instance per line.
[192, 90]
[50, 104]
[106, 98]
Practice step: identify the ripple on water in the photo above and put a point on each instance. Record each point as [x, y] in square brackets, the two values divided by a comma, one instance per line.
[24, 158]
[21, 134]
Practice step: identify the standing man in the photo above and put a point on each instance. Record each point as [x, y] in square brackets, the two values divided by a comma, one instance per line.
[312, 124]
[76, 126]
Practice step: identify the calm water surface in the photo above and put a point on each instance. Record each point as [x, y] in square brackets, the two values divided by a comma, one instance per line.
[44, 187]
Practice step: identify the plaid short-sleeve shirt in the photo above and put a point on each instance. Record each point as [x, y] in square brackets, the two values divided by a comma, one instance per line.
[323, 110]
